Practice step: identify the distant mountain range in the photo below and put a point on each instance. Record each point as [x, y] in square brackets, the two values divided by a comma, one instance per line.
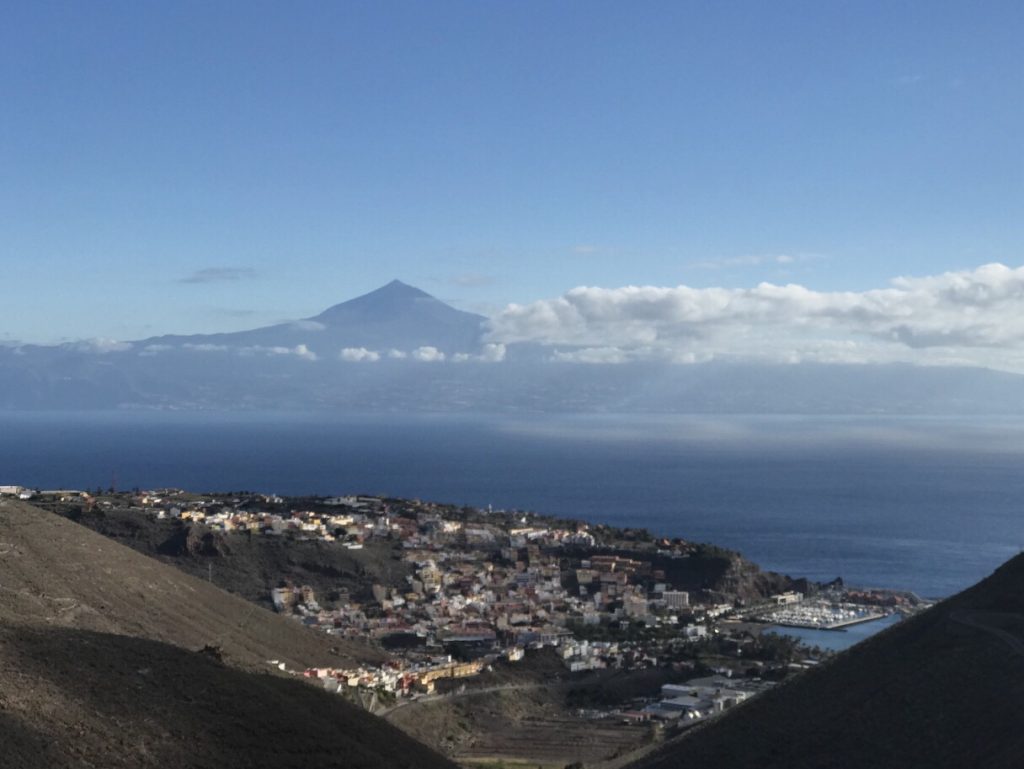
[395, 318]
[398, 348]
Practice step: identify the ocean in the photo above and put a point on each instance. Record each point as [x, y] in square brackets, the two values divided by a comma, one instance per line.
[930, 505]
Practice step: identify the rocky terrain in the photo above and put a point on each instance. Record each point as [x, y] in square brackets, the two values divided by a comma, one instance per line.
[250, 566]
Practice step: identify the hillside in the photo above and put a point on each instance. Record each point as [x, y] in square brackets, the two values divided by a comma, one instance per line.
[944, 689]
[56, 572]
[78, 698]
[101, 665]
[251, 566]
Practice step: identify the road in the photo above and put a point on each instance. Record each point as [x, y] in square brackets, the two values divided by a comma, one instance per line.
[982, 620]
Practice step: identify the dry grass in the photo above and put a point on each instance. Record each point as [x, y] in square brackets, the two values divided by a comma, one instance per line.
[99, 667]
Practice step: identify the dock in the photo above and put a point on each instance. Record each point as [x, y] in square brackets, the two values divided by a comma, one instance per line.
[840, 625]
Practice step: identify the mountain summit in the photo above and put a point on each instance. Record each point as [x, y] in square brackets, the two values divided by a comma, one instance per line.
[394, 298]
[401, 316]
[396, 316]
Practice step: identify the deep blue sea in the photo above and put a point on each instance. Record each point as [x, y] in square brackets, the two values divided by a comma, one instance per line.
[930, 505]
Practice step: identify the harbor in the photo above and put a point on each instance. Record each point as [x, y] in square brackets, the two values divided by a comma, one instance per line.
[819, 614]
[837, 639]
[839, 620]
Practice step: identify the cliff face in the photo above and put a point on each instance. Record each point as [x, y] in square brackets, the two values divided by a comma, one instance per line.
[251, 566]
[706, 570]
[745, 580]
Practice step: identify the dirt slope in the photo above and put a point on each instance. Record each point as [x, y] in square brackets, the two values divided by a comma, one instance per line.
[99, 667]
[77, 698]
[59, 573]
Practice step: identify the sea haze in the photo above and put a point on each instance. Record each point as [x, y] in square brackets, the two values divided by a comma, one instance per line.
[930, 505]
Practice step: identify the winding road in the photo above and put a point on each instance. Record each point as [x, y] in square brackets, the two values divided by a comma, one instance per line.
[983, 621]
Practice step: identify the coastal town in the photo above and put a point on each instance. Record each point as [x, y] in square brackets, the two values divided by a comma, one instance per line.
[485, 589]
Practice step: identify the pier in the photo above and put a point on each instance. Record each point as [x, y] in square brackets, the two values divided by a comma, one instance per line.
[820, 615]
[838, 625]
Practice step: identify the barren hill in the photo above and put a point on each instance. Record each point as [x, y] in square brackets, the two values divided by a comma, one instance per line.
[56, 572]
[943, 689]
[100, 665]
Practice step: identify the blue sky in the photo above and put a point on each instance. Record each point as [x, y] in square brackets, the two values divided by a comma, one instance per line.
[181, 167]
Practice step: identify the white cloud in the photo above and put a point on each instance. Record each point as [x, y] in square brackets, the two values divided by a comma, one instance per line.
[754, 260]
[971, 317]
[397, 354]
[99, 346]
[489, 353]
[428, 354]
[359, 355]
[299, 351]
[591, 355]
[493, 353]
[206, 347]
[151, 350]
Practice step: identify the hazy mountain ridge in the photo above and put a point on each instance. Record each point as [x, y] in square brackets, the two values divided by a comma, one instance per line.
[394, 317]
[398, 348]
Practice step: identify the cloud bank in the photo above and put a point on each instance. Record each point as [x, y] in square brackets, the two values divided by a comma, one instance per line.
[971, 317]
[359, 355]
[489, 353]
[300, 351]
[428, 354]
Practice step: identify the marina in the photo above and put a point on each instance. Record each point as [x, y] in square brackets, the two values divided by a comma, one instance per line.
[838, 639]
[840, 624]
[821, 615]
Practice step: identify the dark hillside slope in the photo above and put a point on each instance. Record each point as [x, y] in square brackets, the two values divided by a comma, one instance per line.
[101, 666]
[944, 689]
[77, 698]
[59, 573]
[251, 566]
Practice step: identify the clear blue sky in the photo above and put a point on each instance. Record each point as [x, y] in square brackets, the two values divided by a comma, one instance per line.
[287, 156]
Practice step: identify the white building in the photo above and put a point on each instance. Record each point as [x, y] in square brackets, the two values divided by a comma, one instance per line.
[676, 599]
